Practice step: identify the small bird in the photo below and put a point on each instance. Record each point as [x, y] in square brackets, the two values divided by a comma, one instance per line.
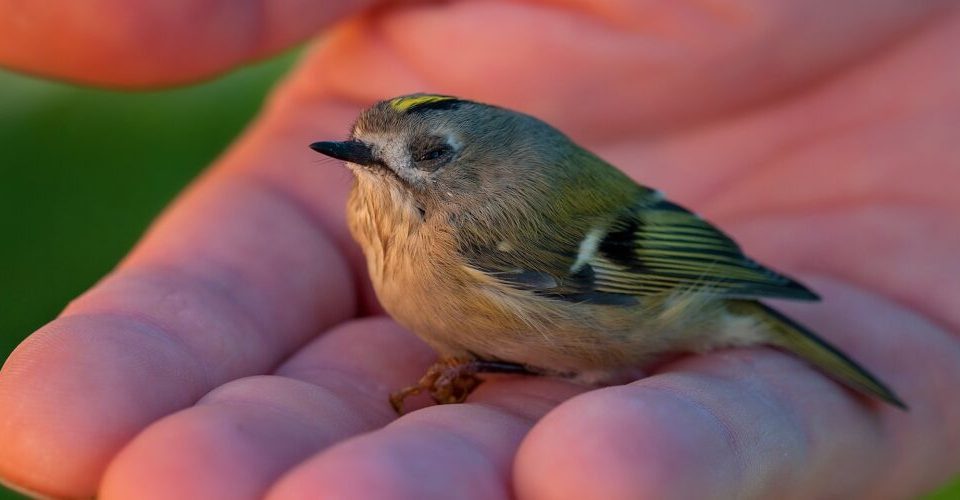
[509, 248]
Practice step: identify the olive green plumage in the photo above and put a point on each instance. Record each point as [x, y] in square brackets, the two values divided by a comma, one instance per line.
[494, 237]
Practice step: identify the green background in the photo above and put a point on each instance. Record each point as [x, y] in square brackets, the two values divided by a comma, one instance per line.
[83, 171]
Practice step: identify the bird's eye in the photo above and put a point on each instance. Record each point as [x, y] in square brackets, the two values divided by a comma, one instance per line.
[431, 153]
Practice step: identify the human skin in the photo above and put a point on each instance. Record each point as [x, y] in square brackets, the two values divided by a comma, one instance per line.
[238, 351]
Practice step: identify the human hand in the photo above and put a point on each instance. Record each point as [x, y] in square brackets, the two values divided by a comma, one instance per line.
[237, 353]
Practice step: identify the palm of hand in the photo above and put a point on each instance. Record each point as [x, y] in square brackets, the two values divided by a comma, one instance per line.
[817, 170]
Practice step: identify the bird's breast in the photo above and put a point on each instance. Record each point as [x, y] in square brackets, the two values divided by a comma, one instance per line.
[426, 286]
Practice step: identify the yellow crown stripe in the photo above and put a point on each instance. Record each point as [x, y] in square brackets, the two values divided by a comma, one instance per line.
[402, 104]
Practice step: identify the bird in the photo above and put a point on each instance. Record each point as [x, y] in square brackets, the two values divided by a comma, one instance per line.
[509, 248]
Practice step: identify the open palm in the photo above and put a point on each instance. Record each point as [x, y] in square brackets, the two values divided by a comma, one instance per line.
[238, 350]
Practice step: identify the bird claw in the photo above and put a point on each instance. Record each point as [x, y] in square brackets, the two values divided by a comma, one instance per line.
[449, 380]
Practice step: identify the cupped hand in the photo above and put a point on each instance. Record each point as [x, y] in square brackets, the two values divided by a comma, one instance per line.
[238, 351]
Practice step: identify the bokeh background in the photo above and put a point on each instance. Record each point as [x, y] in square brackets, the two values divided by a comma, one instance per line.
[84, 171]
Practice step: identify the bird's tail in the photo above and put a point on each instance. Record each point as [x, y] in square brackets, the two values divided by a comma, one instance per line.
[793, 337]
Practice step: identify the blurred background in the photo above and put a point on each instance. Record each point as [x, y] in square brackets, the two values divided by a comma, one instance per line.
[84, 171]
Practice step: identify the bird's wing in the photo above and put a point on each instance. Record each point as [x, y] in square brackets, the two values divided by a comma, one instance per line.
[652, 247]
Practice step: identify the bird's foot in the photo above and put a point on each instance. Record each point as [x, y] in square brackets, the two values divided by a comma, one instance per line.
[451, 380]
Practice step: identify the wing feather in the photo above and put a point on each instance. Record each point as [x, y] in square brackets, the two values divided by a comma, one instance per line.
[616, 242]
[662, 247]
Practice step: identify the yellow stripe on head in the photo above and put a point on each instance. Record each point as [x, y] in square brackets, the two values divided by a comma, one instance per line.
[404, 103]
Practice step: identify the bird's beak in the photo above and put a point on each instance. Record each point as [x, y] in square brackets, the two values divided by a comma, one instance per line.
[349, 151]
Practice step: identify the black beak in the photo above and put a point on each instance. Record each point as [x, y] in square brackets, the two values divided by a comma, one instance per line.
[350, 151]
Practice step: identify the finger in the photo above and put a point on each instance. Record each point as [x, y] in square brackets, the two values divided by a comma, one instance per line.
[653, 66]
[242, 436]
[753, 424]
[774, 159]
[895, 190]
[231, 280]
[448, 451]
[155, 42]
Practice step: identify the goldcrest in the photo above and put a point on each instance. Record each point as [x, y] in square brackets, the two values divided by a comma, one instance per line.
[508, 248]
